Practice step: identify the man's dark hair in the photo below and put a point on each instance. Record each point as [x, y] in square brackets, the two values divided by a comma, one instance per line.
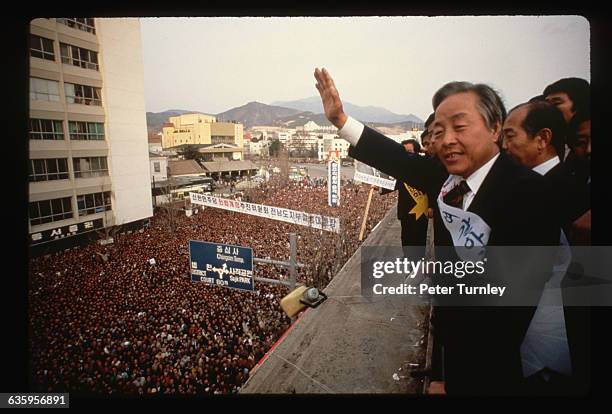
[538, 98]
[577, 89]
[424, 134]
[429, 120]
[490, 105]
[414, 142]
[540, 115]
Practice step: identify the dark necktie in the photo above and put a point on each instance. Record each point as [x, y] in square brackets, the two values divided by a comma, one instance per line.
[455, 196]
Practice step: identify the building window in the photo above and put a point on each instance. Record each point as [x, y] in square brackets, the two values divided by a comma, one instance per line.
[89, 167]
[46, 129]
[217, 139]
[84, 24]
[94, 203]
[41, 47]
[86, 131]
[44, 90]
[48, 169]
[78, 56]
[156, 166]
[82, 94]
[50, 210]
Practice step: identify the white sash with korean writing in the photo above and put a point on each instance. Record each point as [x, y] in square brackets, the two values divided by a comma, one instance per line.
[468, 230]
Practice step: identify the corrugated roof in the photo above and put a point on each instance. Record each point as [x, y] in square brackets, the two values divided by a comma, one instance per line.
[184, 167]
[222, 166]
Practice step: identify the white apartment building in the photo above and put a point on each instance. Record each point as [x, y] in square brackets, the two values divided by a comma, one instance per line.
[88, 149]
[258, 148]
[158, 167]
[331, 142]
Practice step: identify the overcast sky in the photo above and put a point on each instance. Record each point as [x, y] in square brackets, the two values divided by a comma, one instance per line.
[213, 64]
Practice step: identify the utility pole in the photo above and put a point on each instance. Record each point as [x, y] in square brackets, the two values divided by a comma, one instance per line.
[292, 264]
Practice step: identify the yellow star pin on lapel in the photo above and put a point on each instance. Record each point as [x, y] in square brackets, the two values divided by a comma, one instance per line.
[420, 199]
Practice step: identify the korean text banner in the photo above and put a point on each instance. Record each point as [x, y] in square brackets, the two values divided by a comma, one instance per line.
[370, 175]
[333, 183]
[274, 213]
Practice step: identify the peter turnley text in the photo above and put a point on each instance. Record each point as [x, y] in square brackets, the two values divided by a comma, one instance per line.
[425, 289]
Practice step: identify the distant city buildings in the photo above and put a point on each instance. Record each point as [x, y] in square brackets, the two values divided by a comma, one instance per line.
[155, 143]
[259, 148]
[88, 151]
[311, 126]
[159, 167]
[309, 140]
[214, 139]
[331, 142]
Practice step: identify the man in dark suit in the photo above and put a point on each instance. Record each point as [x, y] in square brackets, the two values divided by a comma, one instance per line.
[535, 135]
[481, 344]
[579, 142]
[579, 163]
[412, 205]
[571, 96]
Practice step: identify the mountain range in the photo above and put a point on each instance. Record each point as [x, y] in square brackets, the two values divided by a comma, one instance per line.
[256, 113]
[363, 113]
[291, 114]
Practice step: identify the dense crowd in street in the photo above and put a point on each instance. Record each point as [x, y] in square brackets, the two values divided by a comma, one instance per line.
[109, 320]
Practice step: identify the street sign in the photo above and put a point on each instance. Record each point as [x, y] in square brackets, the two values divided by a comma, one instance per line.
[221, 264]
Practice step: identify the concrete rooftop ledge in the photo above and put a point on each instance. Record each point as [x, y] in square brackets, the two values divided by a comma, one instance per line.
[349, 344]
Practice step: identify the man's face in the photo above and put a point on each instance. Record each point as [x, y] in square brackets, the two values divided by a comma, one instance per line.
[431, 150]
[517, 143]
[461, 139]
[562, 101]
[427, 147]
[582, 149]
[409, 147]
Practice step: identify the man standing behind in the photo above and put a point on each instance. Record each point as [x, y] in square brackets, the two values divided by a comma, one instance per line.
[534, 135]
[579, 163]
[570, 95]
[426, 137]
[412, 205]
[506, 204]
[579, 142]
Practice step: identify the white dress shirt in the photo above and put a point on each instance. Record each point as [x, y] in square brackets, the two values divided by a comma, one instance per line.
[474, 181]
[352, 130]
[546, 166]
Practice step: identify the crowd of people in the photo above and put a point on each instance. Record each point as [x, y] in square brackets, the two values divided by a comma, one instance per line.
[109, 320]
